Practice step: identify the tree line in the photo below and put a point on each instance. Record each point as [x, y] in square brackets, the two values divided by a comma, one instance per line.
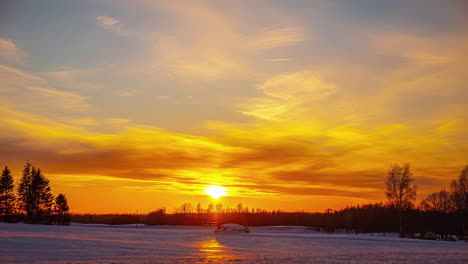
[444, 212]
[401, 191]
[33, 202]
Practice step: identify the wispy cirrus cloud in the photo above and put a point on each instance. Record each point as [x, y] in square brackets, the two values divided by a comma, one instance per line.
[27, 90]
[15, 79]
[281, 59]
[285, 92]
[110, 24]
[131, 92]
[10, 53]
[59, 99]
[276, 38]
[227, 50]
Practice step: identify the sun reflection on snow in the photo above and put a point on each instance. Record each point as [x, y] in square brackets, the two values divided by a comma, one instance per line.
[210, 245]
[213, 252]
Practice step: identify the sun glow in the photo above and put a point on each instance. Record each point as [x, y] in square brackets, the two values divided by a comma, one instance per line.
[216, 191]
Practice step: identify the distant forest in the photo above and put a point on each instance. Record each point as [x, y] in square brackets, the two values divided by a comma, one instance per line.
[441, 214]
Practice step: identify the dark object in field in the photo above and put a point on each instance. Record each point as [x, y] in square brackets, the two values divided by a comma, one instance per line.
[231, 228]
[429, 236]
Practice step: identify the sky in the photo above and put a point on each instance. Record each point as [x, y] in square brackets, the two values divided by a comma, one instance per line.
[296, 105]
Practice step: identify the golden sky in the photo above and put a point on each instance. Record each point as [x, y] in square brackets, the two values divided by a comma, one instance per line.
[293, 105]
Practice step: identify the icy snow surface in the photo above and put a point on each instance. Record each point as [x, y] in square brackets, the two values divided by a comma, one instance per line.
[20, 243]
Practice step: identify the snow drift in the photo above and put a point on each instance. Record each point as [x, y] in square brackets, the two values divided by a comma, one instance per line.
[231, 228]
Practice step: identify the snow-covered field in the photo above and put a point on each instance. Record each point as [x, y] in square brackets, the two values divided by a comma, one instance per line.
[20, 243]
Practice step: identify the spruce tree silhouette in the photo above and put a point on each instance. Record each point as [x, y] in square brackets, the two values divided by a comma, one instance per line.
[35, 195]
[24, 192]
[42, 198]
[61, 210]
[7, 197]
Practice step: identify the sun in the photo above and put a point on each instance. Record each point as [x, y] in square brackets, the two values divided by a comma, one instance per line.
[216, 191]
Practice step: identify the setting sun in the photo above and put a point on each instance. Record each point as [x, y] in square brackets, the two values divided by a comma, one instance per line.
[216, 191]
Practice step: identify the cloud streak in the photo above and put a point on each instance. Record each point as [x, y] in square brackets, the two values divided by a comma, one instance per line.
[111, 24]
[282, 59]
[11, 53]
[287, 92]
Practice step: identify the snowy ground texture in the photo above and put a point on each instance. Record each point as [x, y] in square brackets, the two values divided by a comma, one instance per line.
[20, 243]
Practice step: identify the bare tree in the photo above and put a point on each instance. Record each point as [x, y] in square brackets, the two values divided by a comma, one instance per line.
[437, 202]
[185, 208]
[459, 189]
[219, 208]
[210, 208]
[199, 208]
[239, 208]
[400, 189]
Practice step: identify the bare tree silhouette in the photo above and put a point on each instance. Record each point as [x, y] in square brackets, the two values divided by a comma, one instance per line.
[459, 189]
[400, 189]
[437, 202]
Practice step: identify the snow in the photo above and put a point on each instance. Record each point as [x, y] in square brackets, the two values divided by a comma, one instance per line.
[231, 228]
[78, 243]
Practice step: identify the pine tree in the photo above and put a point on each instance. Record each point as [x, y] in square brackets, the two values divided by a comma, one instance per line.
[42, 198]
[7, 197]
[35, 197]
[24, 192]
[61, 210]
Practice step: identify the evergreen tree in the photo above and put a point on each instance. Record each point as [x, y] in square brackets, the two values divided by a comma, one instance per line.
[41, 196]
[7, 197]
[61, 210]
[35, 197]
[24, 192]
